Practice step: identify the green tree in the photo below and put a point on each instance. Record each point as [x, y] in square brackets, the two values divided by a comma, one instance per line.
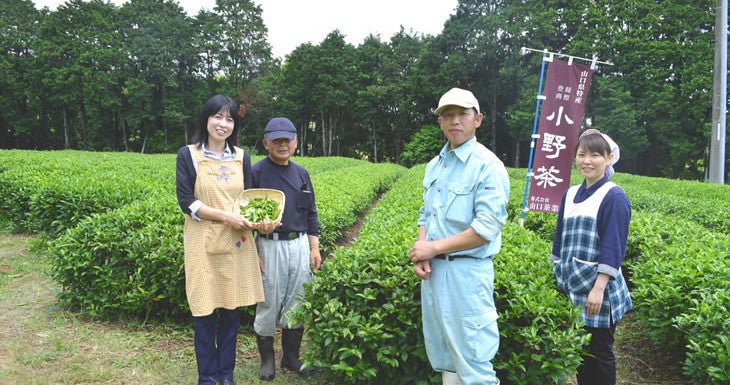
[663, 55]
[333, 90]
[424, 145]
[386, 89]
[79, 60]
[245, 52]
[294, 85]
[18, 21]
[158, 38]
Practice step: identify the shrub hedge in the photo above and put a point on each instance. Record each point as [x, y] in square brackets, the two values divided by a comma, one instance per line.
[129, 262]
[703, 203]
[363, 307]
[681, 278]
[119, 254]
[52, 191]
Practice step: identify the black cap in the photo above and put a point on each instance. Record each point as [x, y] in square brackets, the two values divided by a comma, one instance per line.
[278, 128]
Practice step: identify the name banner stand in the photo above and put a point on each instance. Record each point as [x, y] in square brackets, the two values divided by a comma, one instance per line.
[555, 129]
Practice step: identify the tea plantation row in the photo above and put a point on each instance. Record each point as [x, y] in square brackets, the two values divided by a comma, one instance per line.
[363, 308]
[122, 256]
[119, 229]
[678, 265]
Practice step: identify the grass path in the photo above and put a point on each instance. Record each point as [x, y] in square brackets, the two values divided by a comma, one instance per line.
[43, 344]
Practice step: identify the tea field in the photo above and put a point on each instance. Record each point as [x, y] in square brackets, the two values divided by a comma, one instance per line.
[110, 224]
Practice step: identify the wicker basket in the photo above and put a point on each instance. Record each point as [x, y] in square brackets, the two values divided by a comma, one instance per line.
[272, 194]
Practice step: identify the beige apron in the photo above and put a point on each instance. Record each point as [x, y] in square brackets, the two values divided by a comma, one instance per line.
[221, 263]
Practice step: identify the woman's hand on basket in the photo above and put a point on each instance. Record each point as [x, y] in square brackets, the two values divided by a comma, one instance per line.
[237, 221]
[266, 226]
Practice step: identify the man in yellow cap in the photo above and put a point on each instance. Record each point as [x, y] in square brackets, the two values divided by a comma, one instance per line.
[466, 189]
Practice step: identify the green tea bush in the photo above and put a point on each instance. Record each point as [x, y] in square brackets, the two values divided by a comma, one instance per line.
[707, 325]
[703, 203]
[124, 264]
[542, 337]
[318, 165]
[51, 191]
[666, 283]
[128, 262]
[345, 193]
[363, 307]
[674, 264]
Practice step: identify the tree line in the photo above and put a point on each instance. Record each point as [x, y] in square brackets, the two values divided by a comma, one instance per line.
[91, 75]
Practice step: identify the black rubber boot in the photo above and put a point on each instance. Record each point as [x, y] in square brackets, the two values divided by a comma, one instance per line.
[291, 340]
[266, 351]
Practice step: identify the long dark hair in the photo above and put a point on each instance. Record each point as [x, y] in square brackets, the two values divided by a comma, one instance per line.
[211, 107]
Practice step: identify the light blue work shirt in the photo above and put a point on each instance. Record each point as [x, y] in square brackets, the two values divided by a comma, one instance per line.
[466, 187]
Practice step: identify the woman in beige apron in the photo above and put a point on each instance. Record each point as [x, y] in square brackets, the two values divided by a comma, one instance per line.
[221, 264]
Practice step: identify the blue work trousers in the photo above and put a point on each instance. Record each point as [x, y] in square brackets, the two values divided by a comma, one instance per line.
[215, 345]
[460, 319]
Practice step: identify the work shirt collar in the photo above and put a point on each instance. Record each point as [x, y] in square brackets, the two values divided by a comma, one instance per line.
[227, 154]
[462, 152]
[583, 191]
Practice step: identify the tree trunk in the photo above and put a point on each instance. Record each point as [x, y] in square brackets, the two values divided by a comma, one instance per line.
[375, 145]
[303, 137]
[123, 127]
[84, 127]
[330, 129]
[66, 143]
[144, 141]
[517, 154]
[324, 140]
[162, 120]
[493, 118]
[398, 148]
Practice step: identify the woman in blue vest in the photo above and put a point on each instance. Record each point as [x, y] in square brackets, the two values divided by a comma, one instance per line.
[588, 249]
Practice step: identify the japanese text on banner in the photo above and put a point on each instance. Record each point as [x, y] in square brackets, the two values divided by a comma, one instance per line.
[566, 90]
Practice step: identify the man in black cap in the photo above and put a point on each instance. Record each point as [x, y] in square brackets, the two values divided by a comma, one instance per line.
[289, 253]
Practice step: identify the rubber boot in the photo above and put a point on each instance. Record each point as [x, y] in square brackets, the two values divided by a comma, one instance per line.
[291, 340]
[266, 351]
[450, 378]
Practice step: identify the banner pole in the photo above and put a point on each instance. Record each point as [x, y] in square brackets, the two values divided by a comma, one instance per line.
[593, 60]
[533, 138]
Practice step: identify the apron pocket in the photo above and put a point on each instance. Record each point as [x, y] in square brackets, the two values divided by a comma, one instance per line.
[581, 276]
[221, 239]
[482, 336]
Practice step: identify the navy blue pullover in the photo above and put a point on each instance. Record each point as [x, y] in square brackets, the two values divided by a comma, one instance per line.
[300, 208]
[614, 215]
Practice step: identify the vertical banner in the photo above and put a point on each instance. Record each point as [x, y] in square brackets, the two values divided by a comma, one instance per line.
[566, 90]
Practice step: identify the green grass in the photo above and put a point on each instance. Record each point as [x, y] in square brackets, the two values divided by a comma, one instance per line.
[41, 343]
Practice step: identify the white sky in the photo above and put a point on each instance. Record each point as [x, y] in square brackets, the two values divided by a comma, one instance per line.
[294, 22]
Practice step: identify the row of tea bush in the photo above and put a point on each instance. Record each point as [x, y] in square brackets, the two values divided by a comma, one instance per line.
[364, 311]
[116, 229]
